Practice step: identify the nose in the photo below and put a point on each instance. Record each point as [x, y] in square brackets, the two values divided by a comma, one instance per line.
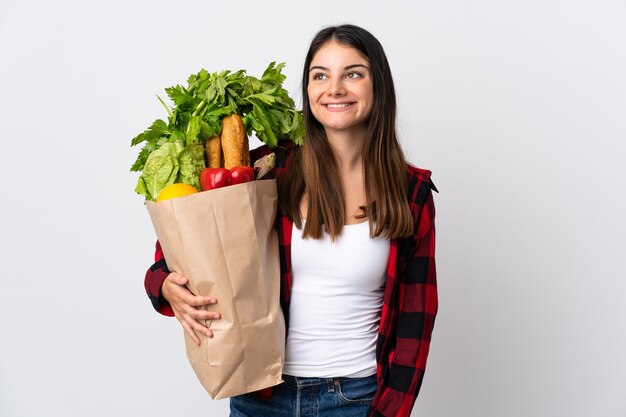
[336, 88]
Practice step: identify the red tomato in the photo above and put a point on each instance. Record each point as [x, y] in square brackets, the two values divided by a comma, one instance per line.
[241, 174]
[211, 178]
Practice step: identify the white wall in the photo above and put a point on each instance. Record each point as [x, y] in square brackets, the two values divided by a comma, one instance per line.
[519, 108]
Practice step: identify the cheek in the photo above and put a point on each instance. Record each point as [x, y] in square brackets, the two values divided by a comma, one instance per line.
[311, 94]
[368, 97]
[312, 98]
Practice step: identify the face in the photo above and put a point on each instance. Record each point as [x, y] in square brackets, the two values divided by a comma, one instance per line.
[340, 88]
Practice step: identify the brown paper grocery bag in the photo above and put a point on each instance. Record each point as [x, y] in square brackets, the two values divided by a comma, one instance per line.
[224, 241]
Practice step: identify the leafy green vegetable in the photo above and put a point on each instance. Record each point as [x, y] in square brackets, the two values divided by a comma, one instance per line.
[160, 170]
[264, 105]
[191, 164]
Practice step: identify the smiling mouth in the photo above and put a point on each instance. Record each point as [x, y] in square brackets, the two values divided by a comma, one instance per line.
[338, 105]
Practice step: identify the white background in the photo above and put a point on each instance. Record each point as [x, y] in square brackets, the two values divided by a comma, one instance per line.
[518, 107]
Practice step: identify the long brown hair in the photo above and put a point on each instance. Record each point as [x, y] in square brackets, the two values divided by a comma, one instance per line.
[314, 168]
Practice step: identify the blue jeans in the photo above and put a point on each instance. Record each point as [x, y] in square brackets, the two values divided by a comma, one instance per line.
[309, 397]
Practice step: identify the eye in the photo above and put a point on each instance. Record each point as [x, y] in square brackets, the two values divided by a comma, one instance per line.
[353, 75]
[318, 76]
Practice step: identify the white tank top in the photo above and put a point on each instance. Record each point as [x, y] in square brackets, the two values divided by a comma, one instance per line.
[336, 299]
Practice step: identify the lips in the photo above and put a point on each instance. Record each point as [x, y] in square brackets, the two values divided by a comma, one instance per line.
[338, 106]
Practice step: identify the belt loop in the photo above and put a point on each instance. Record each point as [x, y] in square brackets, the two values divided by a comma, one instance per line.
[331, 384]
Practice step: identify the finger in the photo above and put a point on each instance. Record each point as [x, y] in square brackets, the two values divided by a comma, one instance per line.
[199, 314]
[197, 300]
[199, 327]
[190, 332]
[181, 279]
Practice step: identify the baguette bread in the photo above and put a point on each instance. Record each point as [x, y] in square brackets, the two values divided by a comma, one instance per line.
[234, 142]
[214, 155]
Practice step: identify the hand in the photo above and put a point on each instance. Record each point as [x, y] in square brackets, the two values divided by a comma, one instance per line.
[186, 306]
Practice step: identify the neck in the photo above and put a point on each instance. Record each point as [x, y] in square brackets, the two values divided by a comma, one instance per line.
[349, 149]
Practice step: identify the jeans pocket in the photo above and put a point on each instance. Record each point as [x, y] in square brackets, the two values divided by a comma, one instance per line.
[357, 390]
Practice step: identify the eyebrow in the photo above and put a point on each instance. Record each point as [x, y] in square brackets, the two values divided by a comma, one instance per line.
[349, 67]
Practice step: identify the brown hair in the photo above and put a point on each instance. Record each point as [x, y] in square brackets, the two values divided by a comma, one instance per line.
[314, 168]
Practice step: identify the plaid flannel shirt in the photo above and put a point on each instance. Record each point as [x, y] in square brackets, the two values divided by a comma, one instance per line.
[410, 297]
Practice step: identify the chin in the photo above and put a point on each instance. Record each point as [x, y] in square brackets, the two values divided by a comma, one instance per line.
[344, 128]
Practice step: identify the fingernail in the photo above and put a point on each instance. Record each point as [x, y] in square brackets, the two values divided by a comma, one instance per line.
[212, 301]
[216, 316]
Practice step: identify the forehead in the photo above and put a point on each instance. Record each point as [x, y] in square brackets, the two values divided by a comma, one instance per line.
[334, 54]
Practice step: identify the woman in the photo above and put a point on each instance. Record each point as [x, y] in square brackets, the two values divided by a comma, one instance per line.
[357, 247]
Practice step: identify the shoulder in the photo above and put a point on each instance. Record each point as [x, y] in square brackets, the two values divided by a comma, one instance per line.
[283, 154]
[419, 174]
[282, 151]
[420, 189]
[419, 181]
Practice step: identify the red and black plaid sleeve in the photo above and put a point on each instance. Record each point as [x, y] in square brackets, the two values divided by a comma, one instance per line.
[155, 276]
[409, 308]
[284, 228]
